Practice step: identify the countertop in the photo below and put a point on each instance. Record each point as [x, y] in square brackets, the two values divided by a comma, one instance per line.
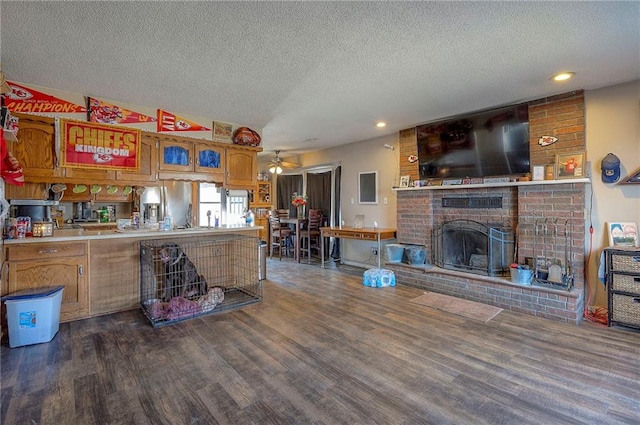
[86, 233]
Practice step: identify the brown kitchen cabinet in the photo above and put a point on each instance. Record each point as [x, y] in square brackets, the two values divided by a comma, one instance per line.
[88, 175]
[261, 196]
[148, 172]
[35, 265]
[241, 167]
[187, 159]
[114, 275]
[35, 149]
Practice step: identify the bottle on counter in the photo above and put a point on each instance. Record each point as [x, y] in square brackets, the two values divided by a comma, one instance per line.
[249, 218]
[104, 215]
[216, 220]
[168, 223]
[135, 219]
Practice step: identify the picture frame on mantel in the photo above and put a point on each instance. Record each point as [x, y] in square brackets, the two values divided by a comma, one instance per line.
[571, 165]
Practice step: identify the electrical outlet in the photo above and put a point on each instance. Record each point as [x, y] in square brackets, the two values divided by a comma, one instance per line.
[374, 250]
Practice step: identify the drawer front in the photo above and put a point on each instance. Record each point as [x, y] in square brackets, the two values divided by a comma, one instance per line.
[625, 263]
[330, 234]
[626, 283]
[44, 251]
[626, 309]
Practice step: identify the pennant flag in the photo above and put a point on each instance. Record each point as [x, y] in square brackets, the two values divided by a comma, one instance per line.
[170, 122]
[108, 113]
[23, 99]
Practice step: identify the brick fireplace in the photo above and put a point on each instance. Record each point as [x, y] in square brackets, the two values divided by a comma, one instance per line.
[420, 213]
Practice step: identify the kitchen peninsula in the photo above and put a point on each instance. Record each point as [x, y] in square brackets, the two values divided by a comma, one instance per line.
[99, 268]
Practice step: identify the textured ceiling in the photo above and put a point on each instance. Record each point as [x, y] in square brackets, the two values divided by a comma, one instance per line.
[317, 74]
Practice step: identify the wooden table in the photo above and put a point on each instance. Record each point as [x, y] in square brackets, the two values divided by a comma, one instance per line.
[298, 223]
[366, 234]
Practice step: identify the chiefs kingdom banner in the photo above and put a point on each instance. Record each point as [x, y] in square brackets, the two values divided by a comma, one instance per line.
[93, 145]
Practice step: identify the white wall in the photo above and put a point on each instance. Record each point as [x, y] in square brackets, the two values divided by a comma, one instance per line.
[368, 155]
[612, 125]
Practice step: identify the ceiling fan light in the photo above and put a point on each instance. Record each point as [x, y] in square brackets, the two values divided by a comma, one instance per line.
[275, 169]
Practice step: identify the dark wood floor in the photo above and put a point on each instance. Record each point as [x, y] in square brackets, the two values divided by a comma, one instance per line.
[323, 349]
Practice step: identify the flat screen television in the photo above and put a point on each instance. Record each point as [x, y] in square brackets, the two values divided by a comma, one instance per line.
[491, 143]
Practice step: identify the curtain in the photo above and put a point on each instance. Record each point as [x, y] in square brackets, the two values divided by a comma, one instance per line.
[319, 193]
[335, 252]
[285, 187]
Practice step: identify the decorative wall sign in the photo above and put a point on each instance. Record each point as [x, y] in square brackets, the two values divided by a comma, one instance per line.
[26, 100]
[170, 122]
[547, 140]
[108, 113]
[104, 146]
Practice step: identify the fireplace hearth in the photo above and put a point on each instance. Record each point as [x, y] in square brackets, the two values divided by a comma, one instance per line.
[473, 247]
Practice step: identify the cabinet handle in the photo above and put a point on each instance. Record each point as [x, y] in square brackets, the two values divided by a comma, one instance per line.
[48, 251]
[81, 270]
[190, 160]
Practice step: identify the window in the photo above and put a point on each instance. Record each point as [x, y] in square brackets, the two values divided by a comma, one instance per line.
[210, 200]
[230, 205]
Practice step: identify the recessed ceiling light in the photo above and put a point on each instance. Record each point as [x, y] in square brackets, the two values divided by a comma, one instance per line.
[563, 76]
[381, 124]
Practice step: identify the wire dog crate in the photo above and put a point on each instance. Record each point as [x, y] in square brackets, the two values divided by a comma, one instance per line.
[183, 278]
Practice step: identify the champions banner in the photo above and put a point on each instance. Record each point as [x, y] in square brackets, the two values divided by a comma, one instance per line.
[108, 113]
[170, 122]
[92, 145]
[26, 100]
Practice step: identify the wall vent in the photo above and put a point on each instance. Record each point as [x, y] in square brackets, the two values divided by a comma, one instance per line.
[474, 202]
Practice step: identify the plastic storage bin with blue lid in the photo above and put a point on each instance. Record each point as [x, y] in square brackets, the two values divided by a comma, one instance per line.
[33, 315]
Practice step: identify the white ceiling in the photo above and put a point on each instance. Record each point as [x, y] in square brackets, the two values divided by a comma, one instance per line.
[313, 75]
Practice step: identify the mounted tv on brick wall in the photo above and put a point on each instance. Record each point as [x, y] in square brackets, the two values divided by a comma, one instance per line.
[483, 144]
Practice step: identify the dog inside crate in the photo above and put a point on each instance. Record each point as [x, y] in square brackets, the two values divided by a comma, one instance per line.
[181, 277]
[173, 284]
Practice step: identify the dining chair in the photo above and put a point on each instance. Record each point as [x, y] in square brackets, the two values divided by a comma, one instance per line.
[284, 213]
[310, 236]
[279, 235]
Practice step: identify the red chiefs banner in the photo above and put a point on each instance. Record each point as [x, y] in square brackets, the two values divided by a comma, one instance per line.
[91, 145]
[170, 122]
[108, 113]
[23, 99]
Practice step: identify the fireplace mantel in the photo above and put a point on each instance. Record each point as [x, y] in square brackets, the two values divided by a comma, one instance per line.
[488, 185]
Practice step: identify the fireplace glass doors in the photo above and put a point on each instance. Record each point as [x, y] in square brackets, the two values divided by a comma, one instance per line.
[473, 247]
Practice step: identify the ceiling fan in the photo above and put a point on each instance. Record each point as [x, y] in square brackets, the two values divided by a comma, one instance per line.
[276, 165]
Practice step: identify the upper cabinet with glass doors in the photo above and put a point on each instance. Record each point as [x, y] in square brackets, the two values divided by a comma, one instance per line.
[188, 159]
